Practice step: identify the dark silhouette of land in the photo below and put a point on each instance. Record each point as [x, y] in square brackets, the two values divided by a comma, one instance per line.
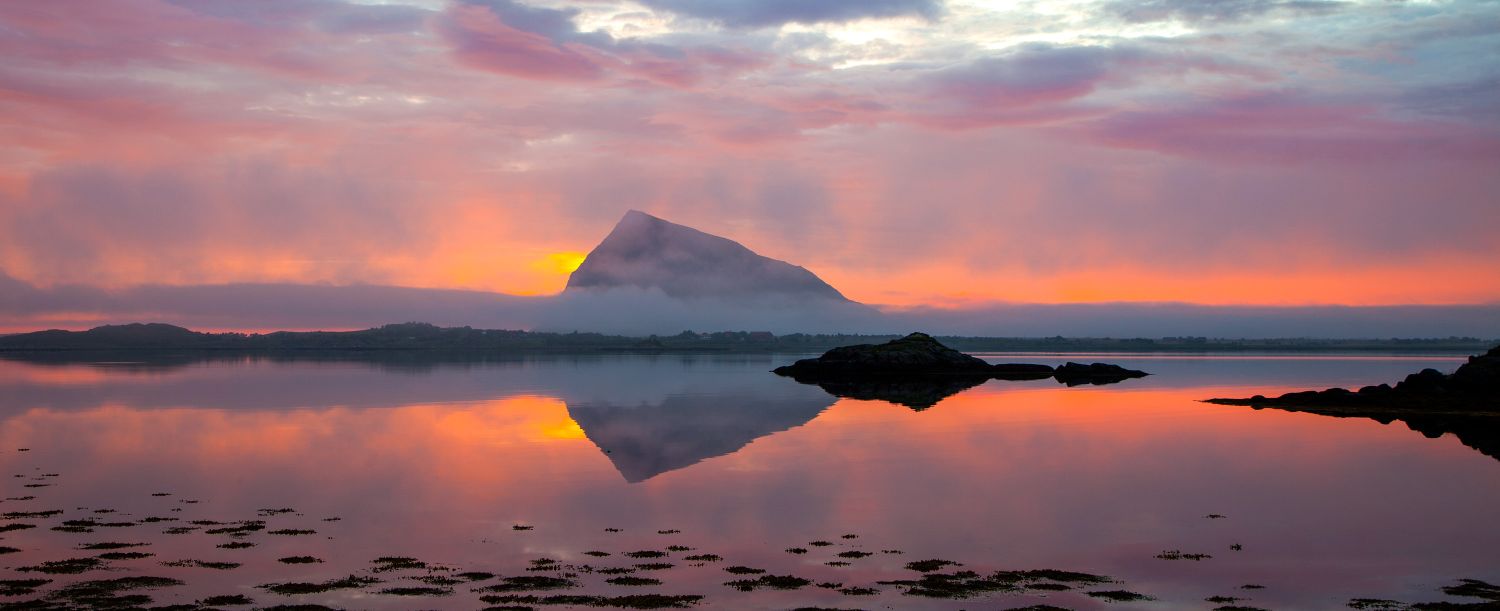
[918, 371]
[916, 354]
[158, 338]
[1465, 402]
[1077, 374]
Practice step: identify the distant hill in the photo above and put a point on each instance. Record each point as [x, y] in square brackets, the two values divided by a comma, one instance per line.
[646, 252]
[147, 337]
[142, 338]
[133, 336]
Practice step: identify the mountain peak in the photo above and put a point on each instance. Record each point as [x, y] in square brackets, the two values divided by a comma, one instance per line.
[647, 252]
[635, 222]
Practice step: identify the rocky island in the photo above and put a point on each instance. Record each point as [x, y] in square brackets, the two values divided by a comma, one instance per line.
[917, 354]
[918, 371]
[1465, 402]
[1074, 374]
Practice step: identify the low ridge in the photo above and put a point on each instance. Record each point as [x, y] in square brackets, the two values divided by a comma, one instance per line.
[1474, 387]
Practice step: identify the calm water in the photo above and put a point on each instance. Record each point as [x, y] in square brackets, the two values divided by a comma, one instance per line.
[440, 462]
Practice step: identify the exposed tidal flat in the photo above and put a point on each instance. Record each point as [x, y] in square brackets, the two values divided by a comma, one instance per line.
[659, 481]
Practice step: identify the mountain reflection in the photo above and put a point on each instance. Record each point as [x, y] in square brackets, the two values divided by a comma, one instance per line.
[647, 415]
[641, 412]
[648, 439]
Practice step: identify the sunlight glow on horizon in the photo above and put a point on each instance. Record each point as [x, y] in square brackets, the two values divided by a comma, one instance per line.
[939, 153]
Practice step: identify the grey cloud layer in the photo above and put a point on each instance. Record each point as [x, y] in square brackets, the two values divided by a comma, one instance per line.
[1210, 11]
[766, 13]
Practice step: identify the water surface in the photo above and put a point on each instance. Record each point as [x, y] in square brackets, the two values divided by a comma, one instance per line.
[442, 461]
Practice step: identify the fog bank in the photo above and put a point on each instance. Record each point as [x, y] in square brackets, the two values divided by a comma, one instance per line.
[24, 307]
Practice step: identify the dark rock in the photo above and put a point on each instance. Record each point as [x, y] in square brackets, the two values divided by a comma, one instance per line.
[1481, 375]
[1074, 374]
[1474, 387]
[1426, 380]
[1474, 588]
[1465, 403]
[915, 354]
[1021, 371]
[918, 371]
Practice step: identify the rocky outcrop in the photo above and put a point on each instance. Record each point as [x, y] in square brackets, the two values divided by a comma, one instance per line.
[915, 354]
[918, 371]
[1075, 374]
[915, 371]
[1465, 403]
[1021, 371]
[1474, 387]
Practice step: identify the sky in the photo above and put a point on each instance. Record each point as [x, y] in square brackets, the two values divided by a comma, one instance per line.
[913, 153]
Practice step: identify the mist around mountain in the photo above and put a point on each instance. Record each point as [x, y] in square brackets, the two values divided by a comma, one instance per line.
[651, 276]
[649, 271]
[646, 252]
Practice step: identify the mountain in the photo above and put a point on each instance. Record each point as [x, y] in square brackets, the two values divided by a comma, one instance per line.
[649, 253]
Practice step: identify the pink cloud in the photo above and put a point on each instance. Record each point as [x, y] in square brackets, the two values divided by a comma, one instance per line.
[686, 67]
[1037, 84]
[482, 40]
[213, 142]
[133, 32]
[1292, 128]
[537, 43]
